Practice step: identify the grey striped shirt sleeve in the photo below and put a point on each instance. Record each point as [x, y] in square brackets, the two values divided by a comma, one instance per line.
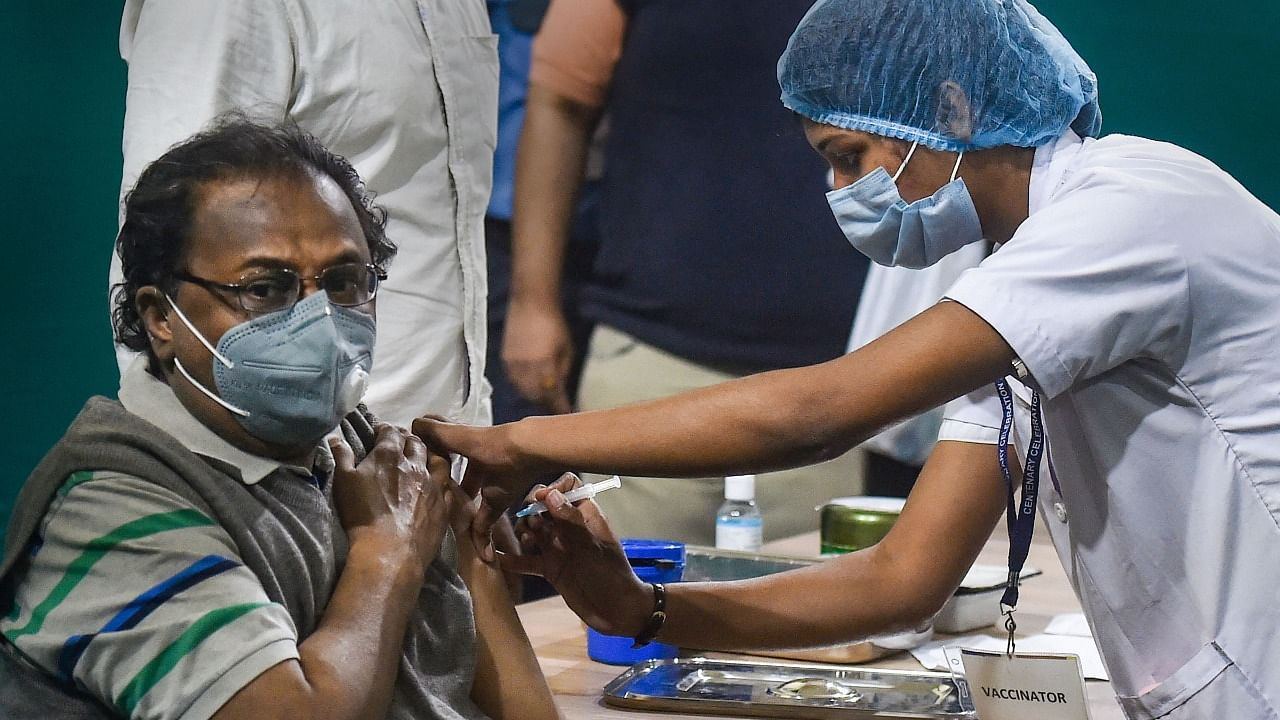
[141, 600]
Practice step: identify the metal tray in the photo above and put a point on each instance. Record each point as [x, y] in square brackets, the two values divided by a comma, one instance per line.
[715, 564]
[764, 689]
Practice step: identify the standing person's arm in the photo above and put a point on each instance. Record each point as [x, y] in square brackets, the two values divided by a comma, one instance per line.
[395, 513]
[536, 346]
[190, 62]
[572, 67]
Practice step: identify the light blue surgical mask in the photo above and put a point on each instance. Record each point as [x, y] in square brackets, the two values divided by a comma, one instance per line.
[290, 376]
[893, 232]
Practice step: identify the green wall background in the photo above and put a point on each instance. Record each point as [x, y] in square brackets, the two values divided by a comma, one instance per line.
[61, 112]
[1169, 70]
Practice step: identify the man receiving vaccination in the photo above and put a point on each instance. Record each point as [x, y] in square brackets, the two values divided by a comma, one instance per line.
[199, 549]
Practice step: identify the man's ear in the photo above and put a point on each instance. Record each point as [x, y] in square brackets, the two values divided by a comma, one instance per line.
[153, 307]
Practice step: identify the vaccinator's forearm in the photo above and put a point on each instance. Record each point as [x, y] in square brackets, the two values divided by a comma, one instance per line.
[777, 419]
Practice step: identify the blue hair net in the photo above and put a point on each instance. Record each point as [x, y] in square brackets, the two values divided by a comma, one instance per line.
[951, 74]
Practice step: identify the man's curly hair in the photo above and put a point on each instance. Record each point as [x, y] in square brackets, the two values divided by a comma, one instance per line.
[160, 208]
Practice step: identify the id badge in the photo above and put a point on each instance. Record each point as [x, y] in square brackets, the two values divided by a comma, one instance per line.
[1045, 686]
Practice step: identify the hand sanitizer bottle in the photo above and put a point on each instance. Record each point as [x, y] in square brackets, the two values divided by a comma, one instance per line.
[739, 525]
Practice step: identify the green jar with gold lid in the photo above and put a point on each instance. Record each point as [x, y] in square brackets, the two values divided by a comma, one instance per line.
[854, 523]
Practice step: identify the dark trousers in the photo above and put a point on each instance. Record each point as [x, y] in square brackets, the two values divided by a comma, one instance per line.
[889, 477]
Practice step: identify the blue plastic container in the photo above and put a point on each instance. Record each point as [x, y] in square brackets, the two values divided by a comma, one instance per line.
[653, 561]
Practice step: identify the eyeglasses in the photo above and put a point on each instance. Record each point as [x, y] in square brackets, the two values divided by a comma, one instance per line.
[349, 285]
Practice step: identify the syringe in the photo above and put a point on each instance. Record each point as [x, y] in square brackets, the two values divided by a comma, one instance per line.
[589, 490]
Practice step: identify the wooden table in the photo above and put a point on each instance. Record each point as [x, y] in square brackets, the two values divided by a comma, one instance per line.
[559, 637]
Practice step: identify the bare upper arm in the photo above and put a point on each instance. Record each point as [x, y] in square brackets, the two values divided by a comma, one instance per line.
[270, 695]
[576, 49]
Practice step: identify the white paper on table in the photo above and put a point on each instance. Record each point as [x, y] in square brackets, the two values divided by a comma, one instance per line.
[1069, 624]
[931, 655]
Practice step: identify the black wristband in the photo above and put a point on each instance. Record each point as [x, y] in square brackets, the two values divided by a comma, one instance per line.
[657, 619]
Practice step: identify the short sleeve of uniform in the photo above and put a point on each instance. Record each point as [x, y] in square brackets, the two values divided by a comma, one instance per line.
[973, 418]
[577, 48]
[141, 599]
[1089, 282]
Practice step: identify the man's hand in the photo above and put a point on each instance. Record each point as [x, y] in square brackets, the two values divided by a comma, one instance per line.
[477, 519]
[395, 512]
[538, 352]
[576, 551]
[396, 493]
[481, 537]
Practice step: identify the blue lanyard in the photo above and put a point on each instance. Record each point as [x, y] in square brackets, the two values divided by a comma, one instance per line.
[1021, 518]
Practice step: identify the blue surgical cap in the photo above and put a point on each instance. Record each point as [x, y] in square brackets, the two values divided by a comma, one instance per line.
[951, 74]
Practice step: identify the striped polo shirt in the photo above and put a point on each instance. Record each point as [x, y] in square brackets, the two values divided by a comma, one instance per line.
[138, 598]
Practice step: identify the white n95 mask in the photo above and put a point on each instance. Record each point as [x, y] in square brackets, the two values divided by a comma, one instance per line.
[290, 376]
[892, 232]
